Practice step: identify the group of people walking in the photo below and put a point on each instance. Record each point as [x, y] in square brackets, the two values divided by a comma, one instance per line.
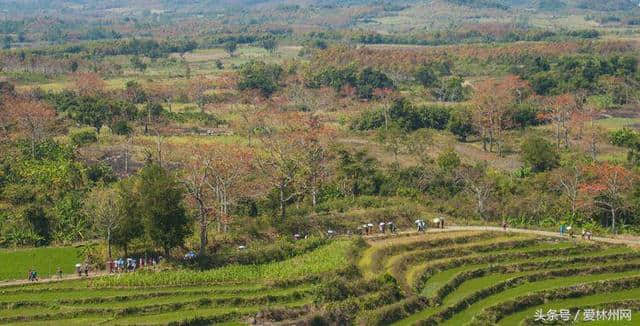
[586, 234]
[130, 264]
[82, 268]
[33, 275]
[383, 227]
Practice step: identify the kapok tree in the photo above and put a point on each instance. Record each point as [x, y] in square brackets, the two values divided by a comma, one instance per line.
[88, 83]
[103, 208]
[198, 88]
[229, 171]
[34, 120]
[561, 109]
[478, 184]
[492, 99]
[196, 173]
[315, 169]
[607, 187]
[281, 161]
[568, 181]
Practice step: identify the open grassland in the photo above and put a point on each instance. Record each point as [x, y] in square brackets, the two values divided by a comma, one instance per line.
[444, 278]
[15, 263]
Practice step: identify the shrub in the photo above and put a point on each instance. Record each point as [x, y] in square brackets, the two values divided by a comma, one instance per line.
[624, 137]
[122, 128]
[461, 123]
[260, 76]
[83, 136]
[540, 154]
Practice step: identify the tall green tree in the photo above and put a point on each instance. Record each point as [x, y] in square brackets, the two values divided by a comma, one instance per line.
[130, 225]
[540, 154]
[161, 204]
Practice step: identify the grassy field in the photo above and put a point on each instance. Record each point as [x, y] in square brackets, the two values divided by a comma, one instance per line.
[450, 278]
[16, 263]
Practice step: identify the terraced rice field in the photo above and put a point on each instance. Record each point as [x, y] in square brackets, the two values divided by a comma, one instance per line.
[499, 278]
[446, 278]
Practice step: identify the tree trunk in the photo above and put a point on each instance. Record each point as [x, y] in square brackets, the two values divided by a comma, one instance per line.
[490, 141]
[33, 148]
[558, 134]
[283, 205]
[203, 233]
[109, 243]
[613, 220]
[314, 197]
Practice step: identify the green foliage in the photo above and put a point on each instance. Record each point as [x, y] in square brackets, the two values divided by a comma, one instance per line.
[461, 123]
[540, 154]
[451, 90]
[369, 79]
[161, 207]
[131, 226]
[365, 81]
[94, 111]
[84, 136]
[359, 172]
[610, 5]
[426, 76]
[406, 116]
[524, 114]
[122, 128]
[270, 44]
[138, 64]
[498, 4]
[230, 47]
[44, 193]
[551, 5]
[135, 92]
[571, 73]
[630, 139]
[624, 137]
[101, 172]
[260, 76]
[448, 160]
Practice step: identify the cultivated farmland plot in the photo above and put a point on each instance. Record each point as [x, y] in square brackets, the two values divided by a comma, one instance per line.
[446, 278]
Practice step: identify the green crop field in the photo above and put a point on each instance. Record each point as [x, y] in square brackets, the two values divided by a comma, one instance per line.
[15, 264]
[450, 278]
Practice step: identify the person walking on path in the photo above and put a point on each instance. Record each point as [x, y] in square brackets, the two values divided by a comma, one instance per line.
[381, 227]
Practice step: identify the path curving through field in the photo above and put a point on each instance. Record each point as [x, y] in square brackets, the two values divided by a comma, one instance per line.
[632, 241]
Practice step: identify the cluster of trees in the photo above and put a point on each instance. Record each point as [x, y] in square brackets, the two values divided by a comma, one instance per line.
[405, 116]
[364, 81]
[260, 76]
[148, 206]
[95, 110]
[572, 73]
[481, 118]
[476, 35]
